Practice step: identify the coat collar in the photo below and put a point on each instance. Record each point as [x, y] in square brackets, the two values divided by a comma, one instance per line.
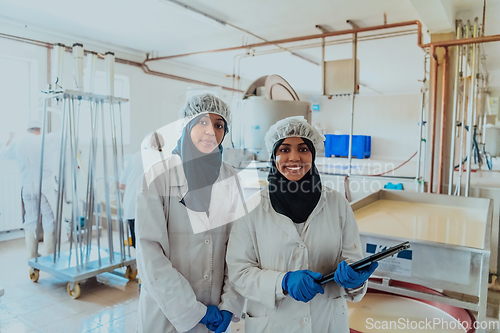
[285, 222]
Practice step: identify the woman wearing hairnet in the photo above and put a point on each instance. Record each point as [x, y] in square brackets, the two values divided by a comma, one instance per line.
[299, 231]
[182, 227]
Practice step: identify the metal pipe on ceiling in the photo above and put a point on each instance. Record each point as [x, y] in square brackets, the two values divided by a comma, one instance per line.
[147, 70]
[26, 40]
[224, 23]
[283, 49]
[473, 40]
[485, 39]
[336, 42]
[340, 41]
[143, 66]
[303, 38]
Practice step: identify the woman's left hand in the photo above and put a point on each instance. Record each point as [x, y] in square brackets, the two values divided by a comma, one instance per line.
[349, 278]
[226, 320]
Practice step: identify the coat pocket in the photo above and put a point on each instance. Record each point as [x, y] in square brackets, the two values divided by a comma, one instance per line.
[257, 325]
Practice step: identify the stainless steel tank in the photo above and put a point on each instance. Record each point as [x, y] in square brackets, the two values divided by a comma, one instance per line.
[255, 115]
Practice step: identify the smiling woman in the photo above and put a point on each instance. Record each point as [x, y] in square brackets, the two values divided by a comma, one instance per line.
[184, 279]
[294, 181]
[208, 132]
[303, 230]
[293, 158]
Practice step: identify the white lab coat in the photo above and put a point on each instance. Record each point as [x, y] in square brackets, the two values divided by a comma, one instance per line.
[26, 151]
[182, 271]
[131, 177]
[264, 245]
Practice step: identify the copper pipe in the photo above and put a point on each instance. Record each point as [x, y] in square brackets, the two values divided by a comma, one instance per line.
[339, 42]
[444, 105]
[433, 88]
[27, 40]
[118, 60]
[146, 70]
[455, 42]
[303, 38]
[434, 72]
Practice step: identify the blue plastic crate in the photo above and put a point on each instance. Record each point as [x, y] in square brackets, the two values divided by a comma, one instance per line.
[338, 145]
[361, 146]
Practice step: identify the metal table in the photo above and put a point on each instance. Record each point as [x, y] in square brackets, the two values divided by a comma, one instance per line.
[457, 269]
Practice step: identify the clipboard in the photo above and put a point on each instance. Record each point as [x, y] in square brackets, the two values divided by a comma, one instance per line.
[365, 262]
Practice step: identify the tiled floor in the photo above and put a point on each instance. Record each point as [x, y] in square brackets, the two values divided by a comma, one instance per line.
[107, 303]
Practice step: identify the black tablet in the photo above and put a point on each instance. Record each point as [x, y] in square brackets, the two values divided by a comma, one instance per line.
[365, 262]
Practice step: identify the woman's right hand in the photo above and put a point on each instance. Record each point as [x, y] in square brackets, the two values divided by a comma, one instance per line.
[301, 285]
[213, 318]
[349, 278]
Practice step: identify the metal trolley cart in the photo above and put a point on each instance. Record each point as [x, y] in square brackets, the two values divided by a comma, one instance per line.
[457, 262]
[85, 259]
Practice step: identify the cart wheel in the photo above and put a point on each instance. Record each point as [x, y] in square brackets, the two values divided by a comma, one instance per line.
[130, 275]
[34, 274]
[74, 292]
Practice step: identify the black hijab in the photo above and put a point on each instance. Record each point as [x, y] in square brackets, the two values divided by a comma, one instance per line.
[294, 199]
[201, 170]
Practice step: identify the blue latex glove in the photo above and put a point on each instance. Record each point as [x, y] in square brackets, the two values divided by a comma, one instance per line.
[349, 278]
[212, 318]
[226, 320]
[301, 285]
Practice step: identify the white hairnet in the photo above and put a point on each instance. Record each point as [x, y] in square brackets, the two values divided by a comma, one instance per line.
[293, 127]
[151, 141]
[34, 124]
[206, 103]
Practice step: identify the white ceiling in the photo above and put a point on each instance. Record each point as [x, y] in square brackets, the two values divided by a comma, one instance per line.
[390, 66]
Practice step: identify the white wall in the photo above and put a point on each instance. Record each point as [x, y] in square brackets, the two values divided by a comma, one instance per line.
[391, 121]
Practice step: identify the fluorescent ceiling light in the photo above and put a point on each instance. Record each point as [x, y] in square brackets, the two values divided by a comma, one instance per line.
[197, 14]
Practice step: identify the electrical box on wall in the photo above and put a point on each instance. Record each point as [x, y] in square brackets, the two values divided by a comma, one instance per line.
[494, 106]
[339, 77]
